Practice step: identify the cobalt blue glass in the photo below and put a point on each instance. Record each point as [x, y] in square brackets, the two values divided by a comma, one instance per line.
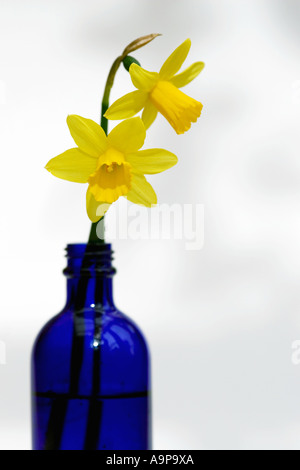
[90, 366]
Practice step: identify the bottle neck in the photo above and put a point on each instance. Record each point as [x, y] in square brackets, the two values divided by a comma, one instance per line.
[89, 275]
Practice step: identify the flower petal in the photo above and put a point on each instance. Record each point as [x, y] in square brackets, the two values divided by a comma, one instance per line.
[187, 75]
[141, 78]
[72, 165]
[141, 192]
[152, 161]
[128, 136]
[149, 114]
[88, 135]
[127, 106]
[95, 210]
[175, 61]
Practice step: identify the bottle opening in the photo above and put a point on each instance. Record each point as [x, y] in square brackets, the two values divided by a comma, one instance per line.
[89, 260]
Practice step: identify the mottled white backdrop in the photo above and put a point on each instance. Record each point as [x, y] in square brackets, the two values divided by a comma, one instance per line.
[220, 321]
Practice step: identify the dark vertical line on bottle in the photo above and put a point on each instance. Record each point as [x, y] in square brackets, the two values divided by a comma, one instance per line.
[95, 408]
[59, 407]
[56, 423]
[78, 334]
[93, 425]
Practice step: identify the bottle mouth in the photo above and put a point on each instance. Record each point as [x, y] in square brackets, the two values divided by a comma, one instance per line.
[89, 249]
[89, 260]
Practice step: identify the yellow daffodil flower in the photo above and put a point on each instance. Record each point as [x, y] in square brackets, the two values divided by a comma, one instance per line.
[112, 165]
[159, 92]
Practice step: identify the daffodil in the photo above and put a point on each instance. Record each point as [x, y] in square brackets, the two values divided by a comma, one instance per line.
[112, 165]
[159, 92]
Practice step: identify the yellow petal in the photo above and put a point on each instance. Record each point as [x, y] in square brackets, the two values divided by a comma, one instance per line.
[149, 114]
[88, 135]
[175, 61]
[152, 161]
[141, 192]
[128, 136]
[72, 165]
[141, 78]
[95, 210]
[127, 106]
[187, 75]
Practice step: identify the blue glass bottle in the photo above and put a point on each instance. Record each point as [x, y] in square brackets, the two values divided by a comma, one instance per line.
[90, 366]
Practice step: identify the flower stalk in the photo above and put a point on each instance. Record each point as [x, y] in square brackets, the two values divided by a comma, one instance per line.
[133, 46]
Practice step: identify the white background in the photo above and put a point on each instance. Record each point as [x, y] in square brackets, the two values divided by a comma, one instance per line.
[220, 321]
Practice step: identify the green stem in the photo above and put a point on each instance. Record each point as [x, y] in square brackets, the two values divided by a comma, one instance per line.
[133, 46]
[93, 238]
